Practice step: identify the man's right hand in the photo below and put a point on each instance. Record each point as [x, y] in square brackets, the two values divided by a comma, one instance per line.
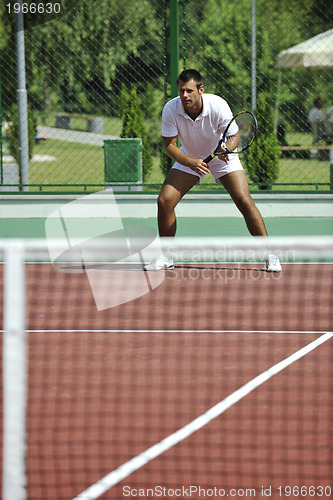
[198, 166]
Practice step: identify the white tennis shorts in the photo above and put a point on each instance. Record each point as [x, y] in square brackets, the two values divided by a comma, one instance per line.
[216, 169]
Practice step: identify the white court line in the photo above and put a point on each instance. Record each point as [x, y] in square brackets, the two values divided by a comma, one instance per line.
[114, 477]
[314, 332]
[178, 263]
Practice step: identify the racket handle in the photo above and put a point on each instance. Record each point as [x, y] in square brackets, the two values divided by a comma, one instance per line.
[209, 158]
[213, 155]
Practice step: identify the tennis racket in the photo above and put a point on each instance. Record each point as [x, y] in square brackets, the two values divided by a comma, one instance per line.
[234, 141]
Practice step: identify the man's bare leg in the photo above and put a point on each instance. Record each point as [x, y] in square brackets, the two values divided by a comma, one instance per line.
[237, 186]
[176, 185]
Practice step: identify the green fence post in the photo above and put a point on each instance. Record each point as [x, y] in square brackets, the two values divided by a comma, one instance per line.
[184, 33]
[1, 164]
[165, 52]
[174, 46]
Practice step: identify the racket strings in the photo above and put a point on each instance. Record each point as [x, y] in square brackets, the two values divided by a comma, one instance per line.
[233, 142]
[238, 136]
[247, 131]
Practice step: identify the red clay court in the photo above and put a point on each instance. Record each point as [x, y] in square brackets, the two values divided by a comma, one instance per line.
[105, 386]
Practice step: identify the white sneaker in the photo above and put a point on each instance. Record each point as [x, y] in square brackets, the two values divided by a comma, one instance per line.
[273, 264]
[160, 263]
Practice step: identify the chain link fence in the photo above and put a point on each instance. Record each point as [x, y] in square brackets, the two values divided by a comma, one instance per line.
[98, 75]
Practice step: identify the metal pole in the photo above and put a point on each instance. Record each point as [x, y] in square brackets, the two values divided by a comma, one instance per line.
[22, 103]
[174, 46]
[1, 158]
[253, 58]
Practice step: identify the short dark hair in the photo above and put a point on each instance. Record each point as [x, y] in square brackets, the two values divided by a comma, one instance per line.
[190, 74]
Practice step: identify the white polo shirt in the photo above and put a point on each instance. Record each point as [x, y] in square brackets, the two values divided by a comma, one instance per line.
[198, 137]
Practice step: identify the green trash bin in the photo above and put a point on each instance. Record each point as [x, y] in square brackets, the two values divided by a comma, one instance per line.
[123, 164]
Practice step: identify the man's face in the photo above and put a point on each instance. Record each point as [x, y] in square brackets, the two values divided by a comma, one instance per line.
[189, 93]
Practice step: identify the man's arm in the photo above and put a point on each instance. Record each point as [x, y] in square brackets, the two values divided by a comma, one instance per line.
[172, 150]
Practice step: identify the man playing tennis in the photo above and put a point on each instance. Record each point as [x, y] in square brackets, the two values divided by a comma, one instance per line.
[199, 120]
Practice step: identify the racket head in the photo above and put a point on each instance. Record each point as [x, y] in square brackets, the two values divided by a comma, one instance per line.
[247, 126]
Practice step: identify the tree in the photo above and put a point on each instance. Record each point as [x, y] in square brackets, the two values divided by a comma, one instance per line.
[262, 159]
[222, 51]
[86, 48]
[134, 126]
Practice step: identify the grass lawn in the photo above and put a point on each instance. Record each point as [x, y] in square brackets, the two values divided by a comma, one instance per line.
[75, 163]
[83, 164]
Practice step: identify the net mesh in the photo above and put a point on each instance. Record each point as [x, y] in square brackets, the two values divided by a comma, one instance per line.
[215, 380]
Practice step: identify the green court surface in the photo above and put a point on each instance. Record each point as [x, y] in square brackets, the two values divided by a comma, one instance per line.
[276, 226]
[187, 226]
[24, 215]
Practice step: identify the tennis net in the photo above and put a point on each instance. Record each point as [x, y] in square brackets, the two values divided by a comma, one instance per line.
[208, 380]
